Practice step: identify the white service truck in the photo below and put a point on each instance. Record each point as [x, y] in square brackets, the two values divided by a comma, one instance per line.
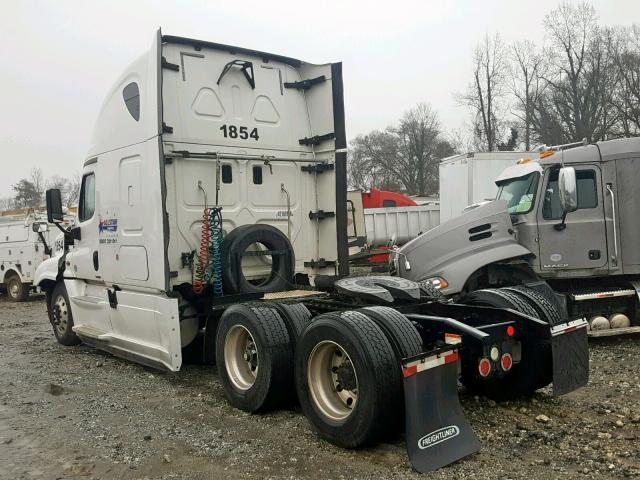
[24, 244]
[213, 207]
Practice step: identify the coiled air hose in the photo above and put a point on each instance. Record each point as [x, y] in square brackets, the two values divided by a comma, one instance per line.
[200, 280]
[209, 266]
[215, 249]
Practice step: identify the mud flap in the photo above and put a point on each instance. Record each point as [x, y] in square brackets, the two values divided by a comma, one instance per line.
[437, 431]
[570, 353]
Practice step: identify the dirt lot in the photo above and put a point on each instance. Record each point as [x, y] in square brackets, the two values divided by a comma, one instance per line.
[79, 413]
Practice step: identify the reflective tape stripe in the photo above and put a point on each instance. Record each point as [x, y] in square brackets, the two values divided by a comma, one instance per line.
[568, 327]
[417, 366]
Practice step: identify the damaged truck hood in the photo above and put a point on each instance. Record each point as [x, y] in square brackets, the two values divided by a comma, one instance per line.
[457, 248]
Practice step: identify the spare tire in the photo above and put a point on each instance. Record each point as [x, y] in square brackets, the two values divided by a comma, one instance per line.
[428, 291]
[235, 246]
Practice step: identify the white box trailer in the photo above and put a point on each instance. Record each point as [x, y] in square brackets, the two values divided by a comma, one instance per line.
[469, 178]
[24, 244]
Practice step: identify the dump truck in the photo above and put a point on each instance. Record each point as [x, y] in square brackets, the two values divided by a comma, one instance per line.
[212, 226]
[24, 244]
[567, 219]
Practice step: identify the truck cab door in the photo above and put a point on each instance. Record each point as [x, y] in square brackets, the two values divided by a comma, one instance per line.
[83, 275]
[84, 260]
[582, 245]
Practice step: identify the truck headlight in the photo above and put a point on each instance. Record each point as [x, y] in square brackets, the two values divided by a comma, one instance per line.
[438, 282]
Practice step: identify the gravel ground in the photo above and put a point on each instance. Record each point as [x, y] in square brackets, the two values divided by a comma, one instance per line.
[78, 413]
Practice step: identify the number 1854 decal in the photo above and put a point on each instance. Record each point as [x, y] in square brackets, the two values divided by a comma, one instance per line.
[235, 131]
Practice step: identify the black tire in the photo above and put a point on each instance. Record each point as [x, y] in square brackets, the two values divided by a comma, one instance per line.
[545, 309]
[296, 317]
[374, 365]
[401, 333]
[533, 371]
[237, 242]
[61, 317]
[405, 341]
[16, 290]
[274, 374]
[429, 292]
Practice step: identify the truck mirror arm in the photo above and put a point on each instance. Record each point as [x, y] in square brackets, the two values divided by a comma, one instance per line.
[70, 234]
[47, 248]
[562, 225]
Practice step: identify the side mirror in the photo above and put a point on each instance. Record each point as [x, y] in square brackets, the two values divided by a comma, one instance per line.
[40, 227]
[567, 190]
[54, 206]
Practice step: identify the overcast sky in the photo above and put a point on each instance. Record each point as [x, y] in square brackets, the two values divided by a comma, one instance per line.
[59, 58]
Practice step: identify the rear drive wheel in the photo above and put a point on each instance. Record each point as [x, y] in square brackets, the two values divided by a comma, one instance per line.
[296, 317]
[16, 290]
[254, 357]
[524, 378]
[401, 333]
[546, 310]
[61, 317]
[405, 341]
[345, 378]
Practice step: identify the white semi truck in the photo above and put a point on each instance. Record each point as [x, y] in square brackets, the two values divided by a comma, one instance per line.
[213, 210]
[24, 244]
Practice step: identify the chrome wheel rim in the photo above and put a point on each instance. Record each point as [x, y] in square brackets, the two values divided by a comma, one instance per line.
[241, 357]
[332, 381]
[61, 314]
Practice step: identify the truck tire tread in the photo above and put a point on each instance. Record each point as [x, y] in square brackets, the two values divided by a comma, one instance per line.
[275, 371]
[375, 364]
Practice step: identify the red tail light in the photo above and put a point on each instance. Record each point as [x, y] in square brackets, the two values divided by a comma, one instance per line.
[484, 367]
[506, 362]
[511, 331]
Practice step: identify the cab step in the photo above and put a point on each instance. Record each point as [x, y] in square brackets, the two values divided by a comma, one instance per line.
[92, 332]
[601, 295]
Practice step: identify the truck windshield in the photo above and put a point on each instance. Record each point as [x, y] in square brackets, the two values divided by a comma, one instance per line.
[520, 193]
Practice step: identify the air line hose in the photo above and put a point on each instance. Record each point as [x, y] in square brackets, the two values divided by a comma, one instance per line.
[215, 249]
[200, 280]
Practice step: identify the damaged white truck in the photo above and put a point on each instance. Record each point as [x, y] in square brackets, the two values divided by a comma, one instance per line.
[212, 225]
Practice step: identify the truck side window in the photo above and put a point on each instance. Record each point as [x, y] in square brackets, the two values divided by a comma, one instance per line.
[131, 96]
[586, 189]
[388, 203]
[87, 203]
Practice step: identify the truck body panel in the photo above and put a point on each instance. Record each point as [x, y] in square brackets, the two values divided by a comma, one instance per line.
[456, 249]
[256, 131]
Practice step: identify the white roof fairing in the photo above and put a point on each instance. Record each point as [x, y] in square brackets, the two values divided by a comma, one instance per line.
[115, 127]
